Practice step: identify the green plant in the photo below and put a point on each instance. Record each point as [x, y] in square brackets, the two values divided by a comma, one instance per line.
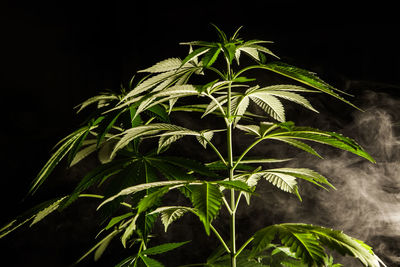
[136, 173]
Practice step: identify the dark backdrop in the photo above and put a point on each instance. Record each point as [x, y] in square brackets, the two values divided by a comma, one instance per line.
[55, 55]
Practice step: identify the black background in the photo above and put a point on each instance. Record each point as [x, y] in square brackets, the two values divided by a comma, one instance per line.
[54, 55]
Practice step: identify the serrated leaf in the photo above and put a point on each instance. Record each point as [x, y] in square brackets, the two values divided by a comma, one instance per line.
[305, 77]
[296, 98]
[298, 144]
[285, 182]
[189, 164]
[95, 99]
[170, 214]
[206, 199]
[235, 184]
[83, 153]
[151, 262]
[136, 188]
[306, 174]
[214, 104]
[164, 65]
[195, 54]
[117, 219]
[270, 104]
[42, 209]
[262, 239]
[205, 137]
[61, 152]
[95, 176]
[251, 129]
[151, 199]
[163, 248]
[167, 140]
[342, 243]
[323, 137]
[251, 51]
[262, 160]
[48, 210]
[263, 49]
[150, 129]
[241, 107]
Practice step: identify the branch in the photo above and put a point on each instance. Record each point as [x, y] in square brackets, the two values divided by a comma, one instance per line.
[220, 238]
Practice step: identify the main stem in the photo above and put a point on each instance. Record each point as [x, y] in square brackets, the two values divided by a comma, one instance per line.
[231, 172]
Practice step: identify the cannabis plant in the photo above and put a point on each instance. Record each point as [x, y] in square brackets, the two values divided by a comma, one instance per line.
[133, 132]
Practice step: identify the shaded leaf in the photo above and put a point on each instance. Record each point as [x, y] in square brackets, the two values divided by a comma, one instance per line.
[206, 199]
[163, 248]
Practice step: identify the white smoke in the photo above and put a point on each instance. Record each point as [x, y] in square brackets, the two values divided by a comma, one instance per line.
[366, 204]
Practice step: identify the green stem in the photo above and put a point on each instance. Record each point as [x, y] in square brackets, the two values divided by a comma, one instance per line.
[246, 151]
[231, 169]
[244, 246]
[216, 151]
[237, 201]
[246, 69]
[220, 239]
[217, 72]
[227, 205]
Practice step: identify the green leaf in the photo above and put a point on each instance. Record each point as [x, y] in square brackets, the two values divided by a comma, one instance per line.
[195, 54]
[205, 137]
[250, 160]
[150, 129]
[263, 50]
[189, 164]
[262, 239]
[106, 124]
[206, 199]
[65, 147]
[104, 97]
[46, 211]
[342, 243]
[83, 153]
[328, 138]
[166, 140]
[305, 77]
[306, 174]
[283, 181]
[221, 34]
[151, 199]
[251, 51]
[163, 66]
[150, 262]
[117, 219]
[137, 188]
[210, 57]
[95, 176]
[167, 94]
[241, 107]
[129, 230]
[270, 104]
[163, 248]
[100, 246]
[171, 213]
[235, 184]
[296, 98]
[298, 144]
[77, 145]
[160, 112]
[41, 210]
[229, 51]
